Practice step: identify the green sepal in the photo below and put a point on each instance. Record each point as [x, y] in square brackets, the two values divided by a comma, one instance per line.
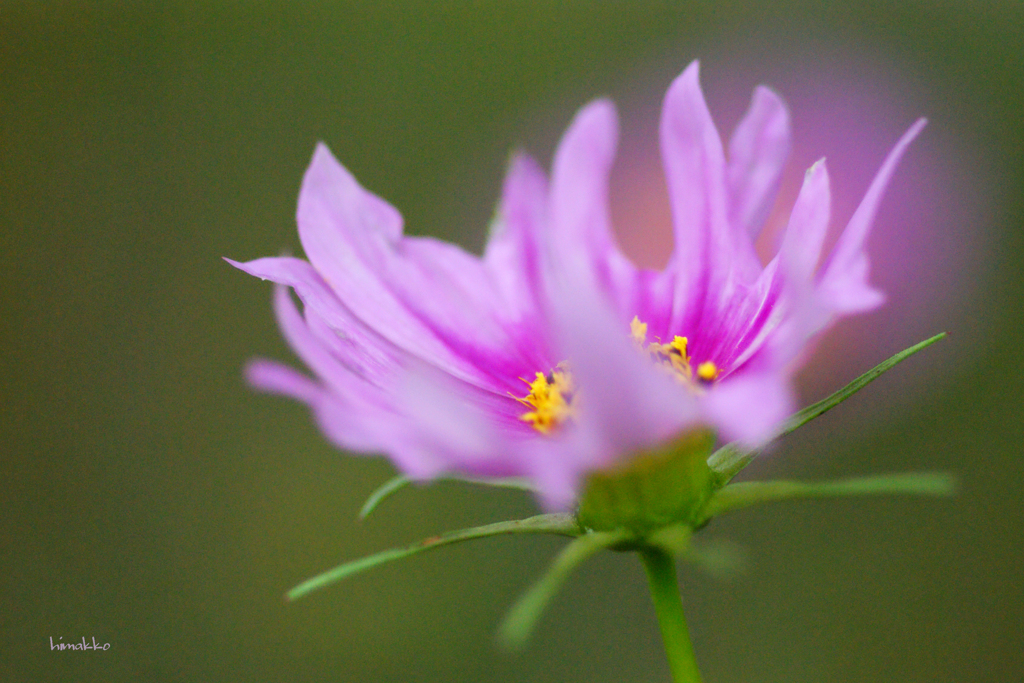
[655, 489]
[745, 494]
[396, 484]
[518, 624]
[730, 459]
[559, 524]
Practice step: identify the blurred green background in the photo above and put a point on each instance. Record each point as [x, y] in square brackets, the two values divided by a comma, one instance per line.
[152, 501]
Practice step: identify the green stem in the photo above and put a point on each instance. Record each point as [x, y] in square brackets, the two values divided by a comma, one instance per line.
[661, 574]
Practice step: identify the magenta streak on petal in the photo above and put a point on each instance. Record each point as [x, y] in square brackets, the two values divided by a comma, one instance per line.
[366, 356]
[745, 323]
[488, 316]
[791, 277]
[711, 259]
[653, 303]
[357, 415]
[454, 296]
[380, 365]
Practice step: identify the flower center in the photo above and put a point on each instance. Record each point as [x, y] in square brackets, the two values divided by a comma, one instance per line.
[674, 357]
[553, 397]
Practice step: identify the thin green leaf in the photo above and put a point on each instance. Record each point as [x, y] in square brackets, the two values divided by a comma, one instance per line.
[744, 494]
[396, 484]
[730, 459]
[560, 524]
[385, 490]
[516, 483]
[515, 630]
[823, 406]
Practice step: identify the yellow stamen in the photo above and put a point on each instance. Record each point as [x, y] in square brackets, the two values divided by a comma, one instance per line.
[639, 331]
[552, 398]
[679, 358]
[679, 345]
[708, 371]
[672, 356]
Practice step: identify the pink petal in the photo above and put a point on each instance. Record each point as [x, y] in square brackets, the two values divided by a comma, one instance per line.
[844, 284]
[757, 154]
[808, 225]
[805, 314]
[791, 311]
[511, 256]
[276, 378]
[455, 297]
[579, 186]
[341, 378]
[449, 430]
[580, 237]
[423, 295]
[345, 426]
[364, 348]
[749, 408]
[710, 256]
[554, 471]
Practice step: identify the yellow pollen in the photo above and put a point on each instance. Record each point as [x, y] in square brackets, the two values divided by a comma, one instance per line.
[708, 371]
[672, 356]
[639, 331]
[552, 398]
[675, 358]
[679, 346]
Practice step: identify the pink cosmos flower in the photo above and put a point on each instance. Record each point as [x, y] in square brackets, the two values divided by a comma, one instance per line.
[552, 355]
